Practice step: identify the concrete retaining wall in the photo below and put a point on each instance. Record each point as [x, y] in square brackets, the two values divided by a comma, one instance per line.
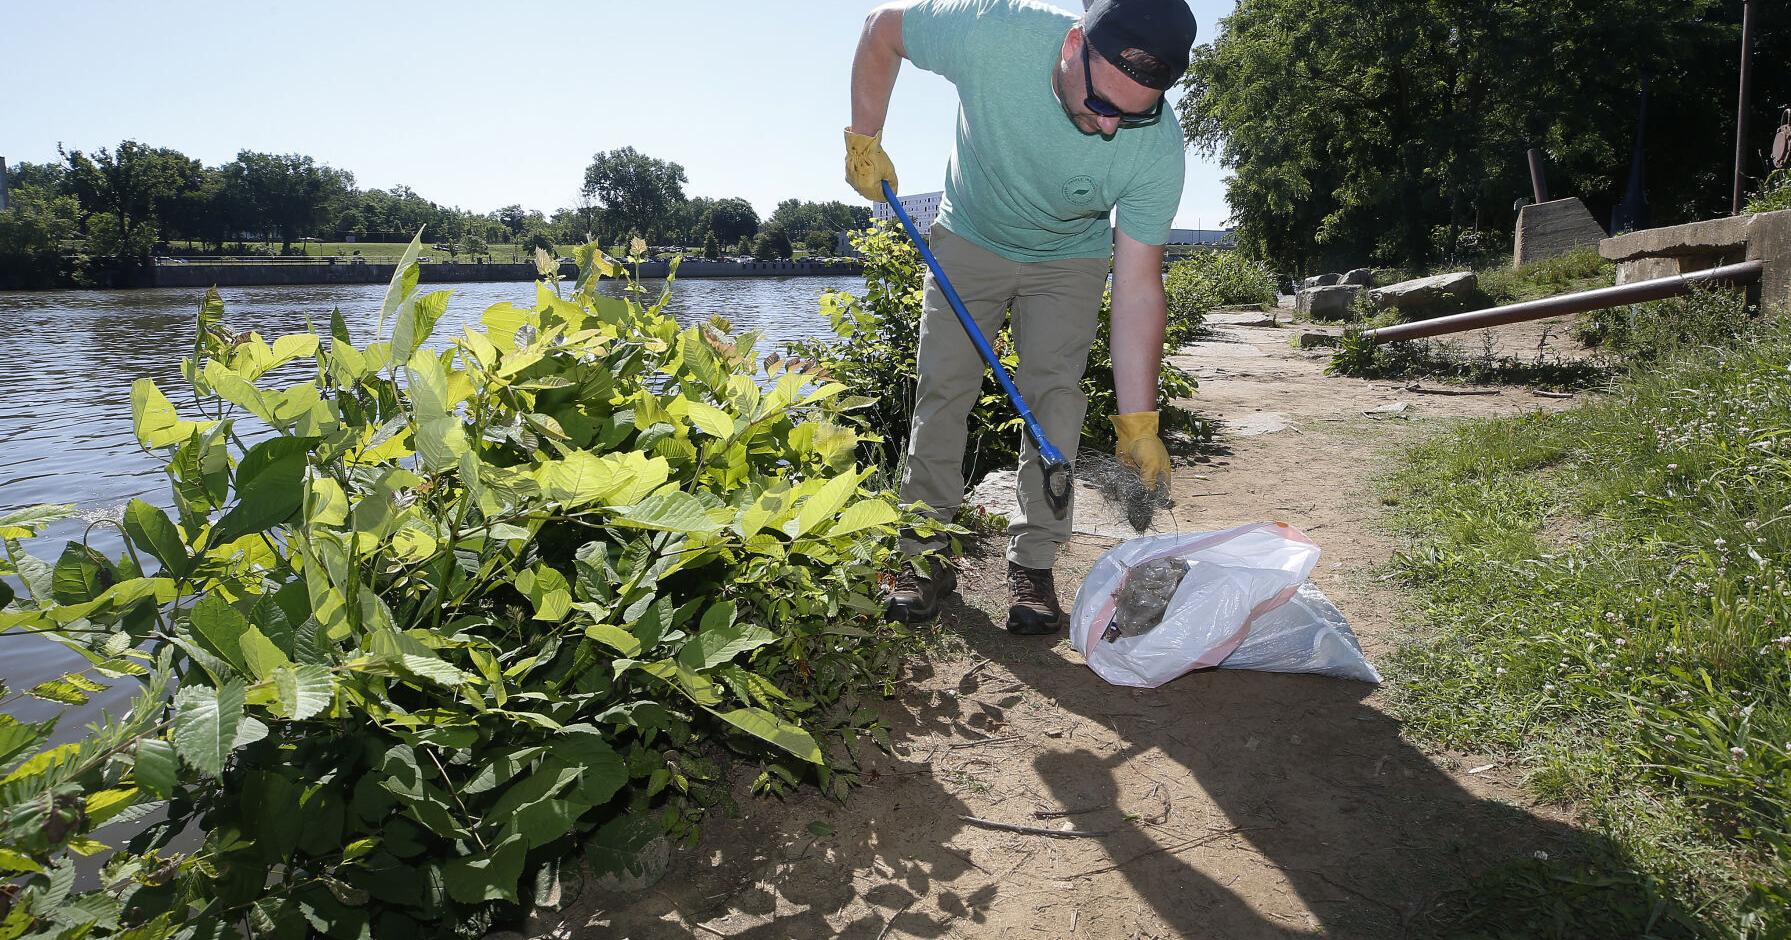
[1554, 228]
[1680, 249]
[253, 275]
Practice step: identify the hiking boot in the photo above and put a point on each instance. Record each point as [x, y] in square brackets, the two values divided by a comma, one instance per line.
[1033, 609]
[915, 597]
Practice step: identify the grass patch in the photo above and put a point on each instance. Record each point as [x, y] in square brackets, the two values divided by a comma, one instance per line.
[1581, 269]
[1608, 606]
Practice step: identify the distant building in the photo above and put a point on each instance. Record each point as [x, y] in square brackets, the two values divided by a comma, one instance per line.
[923, 208]
[2, 184]
[1204, 237]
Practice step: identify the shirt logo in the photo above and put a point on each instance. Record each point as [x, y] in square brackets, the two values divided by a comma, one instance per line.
[1079, 190]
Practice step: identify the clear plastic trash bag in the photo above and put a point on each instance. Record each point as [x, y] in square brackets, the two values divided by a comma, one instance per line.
[1158, 607]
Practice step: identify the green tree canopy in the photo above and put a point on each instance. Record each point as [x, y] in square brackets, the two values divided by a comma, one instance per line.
[1360, 132]
[134, 186]
[816, 225]
[289, 192]
[732, 219]
[634, 191]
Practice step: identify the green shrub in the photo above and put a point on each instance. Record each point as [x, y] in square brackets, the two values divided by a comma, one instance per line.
[1610, 606]
[465, 612]
[1578, 270]
[874, 357]
[1216, 279]
[1653, 331]
[1774, 194]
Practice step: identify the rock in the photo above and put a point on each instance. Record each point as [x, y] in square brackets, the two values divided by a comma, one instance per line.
[1361, 277]
[1552, 229]
[1311, 340]
[1427, 295]
[1320, 280]
[1329, 303]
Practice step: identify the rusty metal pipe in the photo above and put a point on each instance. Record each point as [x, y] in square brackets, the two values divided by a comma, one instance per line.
[1673, 285]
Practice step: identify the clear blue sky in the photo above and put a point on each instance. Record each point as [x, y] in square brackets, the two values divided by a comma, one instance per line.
[484, 104]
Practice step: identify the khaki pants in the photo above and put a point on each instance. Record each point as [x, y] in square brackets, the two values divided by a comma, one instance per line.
[1056, 307]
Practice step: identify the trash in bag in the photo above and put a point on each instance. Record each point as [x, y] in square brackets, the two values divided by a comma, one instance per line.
[1158, 607]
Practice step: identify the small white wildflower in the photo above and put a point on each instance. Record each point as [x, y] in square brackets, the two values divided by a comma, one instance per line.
[1499, 671]
[1539, 855]
[1619, 641]
[1737, 753]
[1719, 543]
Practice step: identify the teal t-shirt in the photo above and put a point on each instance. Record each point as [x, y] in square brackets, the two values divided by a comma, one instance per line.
[1023, 182]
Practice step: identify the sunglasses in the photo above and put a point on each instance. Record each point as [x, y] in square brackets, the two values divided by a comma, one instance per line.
[1105, 108]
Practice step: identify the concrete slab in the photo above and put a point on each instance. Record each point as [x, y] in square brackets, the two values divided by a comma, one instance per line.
[1698, 246]
[1554, 228]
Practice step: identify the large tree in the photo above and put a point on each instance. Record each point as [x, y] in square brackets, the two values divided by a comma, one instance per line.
[634, 192]
[290, 192]
[125, 193]
[1364, 131]
[732, 219]
[816, 225]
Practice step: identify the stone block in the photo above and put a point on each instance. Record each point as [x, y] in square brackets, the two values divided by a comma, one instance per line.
[1429, 296]
[1331, 302]
[1320, 280]
[1554, 228]
[1360, 277]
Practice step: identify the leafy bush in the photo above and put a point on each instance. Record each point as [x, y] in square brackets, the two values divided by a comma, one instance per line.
[1774, 194]
[1216, 279]
[1609, 593]
[455, 615]
[874, 356]
[1653, 331]
[1582, 269]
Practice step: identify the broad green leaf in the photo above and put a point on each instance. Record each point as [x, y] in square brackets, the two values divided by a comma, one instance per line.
[488, 876]
[435, 670]
[768, 727]
[220, 628]
[863, 515]
[547, 589]
[27, 522]
[72, 689]
[11, 861]
[329, 505]
[669, 511]
[268, 488]
[711, 648]
[155, 767]
[403, 282]
[826, 501]
[150, 530]
[616, 847]
[16, 736]
[615, 638]
[154, 419]
[543, 821]
[416, 319]
[105, 804]
[501, 321]
[261, 655]
[691, 683]
[80, 575]
[440, 435]
[206, 721]
[581, 478]
[712, 420]
[304, 690]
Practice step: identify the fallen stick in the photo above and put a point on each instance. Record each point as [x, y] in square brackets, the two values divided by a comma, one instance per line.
[1452, 391]
[1033, 830]
[1060, 813]
[1005, 739]
[1544, 394]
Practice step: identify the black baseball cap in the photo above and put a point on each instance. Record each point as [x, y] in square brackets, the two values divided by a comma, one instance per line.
[1148, 40]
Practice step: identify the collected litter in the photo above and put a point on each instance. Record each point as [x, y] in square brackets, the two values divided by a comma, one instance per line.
[1158, 607]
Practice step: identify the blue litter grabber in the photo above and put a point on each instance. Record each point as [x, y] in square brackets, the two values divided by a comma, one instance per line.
[1058, 477]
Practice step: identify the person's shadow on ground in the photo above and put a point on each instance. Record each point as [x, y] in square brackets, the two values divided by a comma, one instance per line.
[1366, 830]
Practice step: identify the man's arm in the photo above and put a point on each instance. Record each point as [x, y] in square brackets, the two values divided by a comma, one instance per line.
[874, 68]
[1140, 312]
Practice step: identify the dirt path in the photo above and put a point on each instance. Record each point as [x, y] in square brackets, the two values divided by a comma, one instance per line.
[1232, 804]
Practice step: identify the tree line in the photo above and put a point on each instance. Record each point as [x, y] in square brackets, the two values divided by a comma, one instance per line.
[1395, 131]
[94, 214]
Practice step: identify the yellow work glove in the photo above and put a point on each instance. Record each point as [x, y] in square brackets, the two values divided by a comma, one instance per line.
[867, 166]
[1141, 449]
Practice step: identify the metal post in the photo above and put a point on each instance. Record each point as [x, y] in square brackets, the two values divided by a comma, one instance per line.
[1538, 182]
[1741, 108]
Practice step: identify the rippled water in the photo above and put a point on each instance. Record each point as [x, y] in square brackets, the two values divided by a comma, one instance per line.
[65, 414]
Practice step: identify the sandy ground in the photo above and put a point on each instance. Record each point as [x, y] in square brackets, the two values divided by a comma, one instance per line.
[1225, 804]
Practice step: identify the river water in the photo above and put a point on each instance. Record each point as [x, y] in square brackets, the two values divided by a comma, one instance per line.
[65, 413]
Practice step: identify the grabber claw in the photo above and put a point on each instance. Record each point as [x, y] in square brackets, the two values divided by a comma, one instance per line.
[1059, 481]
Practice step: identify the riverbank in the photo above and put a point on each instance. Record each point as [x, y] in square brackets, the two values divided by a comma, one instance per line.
[293, 273]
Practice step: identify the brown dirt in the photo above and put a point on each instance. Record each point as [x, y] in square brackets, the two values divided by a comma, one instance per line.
[1233, 804]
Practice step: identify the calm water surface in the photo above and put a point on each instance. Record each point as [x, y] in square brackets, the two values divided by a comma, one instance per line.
[65, 413]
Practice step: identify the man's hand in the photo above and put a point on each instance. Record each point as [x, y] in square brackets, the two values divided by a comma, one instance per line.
[1141, 449]
[867, 166]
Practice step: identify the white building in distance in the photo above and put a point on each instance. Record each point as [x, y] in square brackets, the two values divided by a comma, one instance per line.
[923, 208]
